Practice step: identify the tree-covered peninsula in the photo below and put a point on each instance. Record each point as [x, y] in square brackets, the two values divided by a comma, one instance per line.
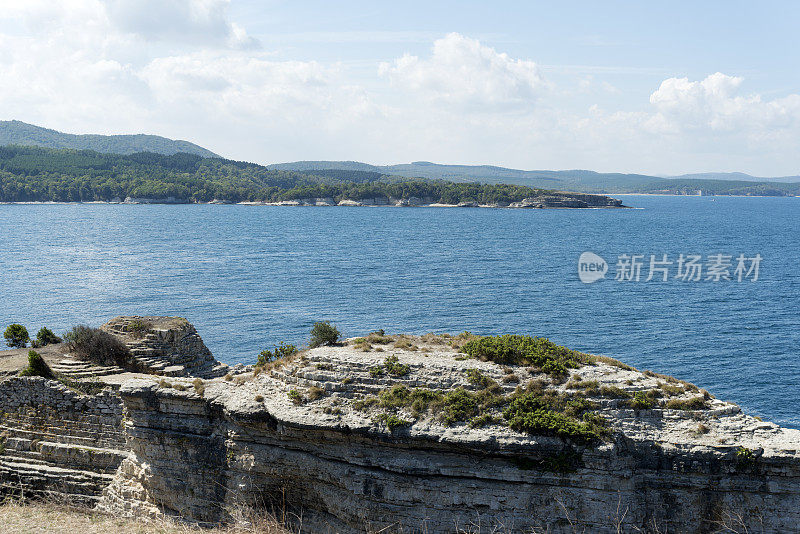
[36, 174]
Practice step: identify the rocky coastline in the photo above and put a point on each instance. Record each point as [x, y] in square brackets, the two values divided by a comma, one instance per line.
[395, 433]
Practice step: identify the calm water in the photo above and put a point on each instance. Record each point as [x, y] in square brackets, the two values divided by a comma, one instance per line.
[249, 277]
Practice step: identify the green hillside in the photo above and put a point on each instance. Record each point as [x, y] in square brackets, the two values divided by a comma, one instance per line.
[20, 133]
[41, 174]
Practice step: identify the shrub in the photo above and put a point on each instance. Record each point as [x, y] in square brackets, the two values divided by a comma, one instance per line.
[199, 386]
[745, 457]
[477, 378]
[281, 351]
[45, 336]
[295, 396]
[37, 366]
[392, 421]
[16, 336]
[530, 413]
[93, 344]
[524, 350]
[179, 387]
[259, 398]
[394, 367]
[695, 403]
[138, 328]
[323, 333]
[610, 361]
[379, 337]
[614, 392]
[642, 401]
[458, 405]
[315, 393]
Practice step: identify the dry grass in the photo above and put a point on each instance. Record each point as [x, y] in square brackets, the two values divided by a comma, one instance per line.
[54, 518]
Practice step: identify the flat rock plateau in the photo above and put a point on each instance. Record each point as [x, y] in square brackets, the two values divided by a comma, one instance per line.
[392, 433]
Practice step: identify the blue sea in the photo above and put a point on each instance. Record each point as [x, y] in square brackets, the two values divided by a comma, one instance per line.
[249, 277]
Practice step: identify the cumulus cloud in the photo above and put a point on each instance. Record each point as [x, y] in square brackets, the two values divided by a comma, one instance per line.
[714, 103]
[183, 69]
[463, 71]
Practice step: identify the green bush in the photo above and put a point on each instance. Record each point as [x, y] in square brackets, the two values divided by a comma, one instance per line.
[458, 405]
[323, 333]
[642, 401]
[281, 351]
[37, 366]
[694, 403]
[95, 345]
[531, 413]
[524, 350]
[394, 367]
[477, 378]
[392, 421]
[45, 336]
[16, 336]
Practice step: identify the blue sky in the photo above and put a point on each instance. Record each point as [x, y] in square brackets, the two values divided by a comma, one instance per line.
[661, 88]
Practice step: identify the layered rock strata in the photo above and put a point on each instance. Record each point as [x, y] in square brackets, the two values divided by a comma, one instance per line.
[332, 439]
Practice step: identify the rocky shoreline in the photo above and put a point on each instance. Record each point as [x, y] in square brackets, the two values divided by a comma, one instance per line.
[566, 201]
[397, 433]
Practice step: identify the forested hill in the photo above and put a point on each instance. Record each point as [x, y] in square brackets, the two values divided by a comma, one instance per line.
[573, 180]
[39, 174]
[20, 133]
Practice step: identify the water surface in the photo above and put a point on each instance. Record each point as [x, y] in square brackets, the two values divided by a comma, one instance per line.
[251, 276]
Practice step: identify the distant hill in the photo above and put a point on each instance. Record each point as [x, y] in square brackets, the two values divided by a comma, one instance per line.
[569, 180]
[735, 176]
[23, 134]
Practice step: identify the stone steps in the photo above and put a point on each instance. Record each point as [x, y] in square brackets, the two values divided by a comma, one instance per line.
[45, 478]
[80, 369]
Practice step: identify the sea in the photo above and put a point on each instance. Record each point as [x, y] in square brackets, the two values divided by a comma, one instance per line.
[727, 317]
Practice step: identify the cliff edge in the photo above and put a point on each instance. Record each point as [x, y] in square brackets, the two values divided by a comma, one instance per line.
[442, 433]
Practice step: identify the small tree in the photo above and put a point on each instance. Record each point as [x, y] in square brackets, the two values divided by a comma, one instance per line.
[323, 333]
[281, 351]
[16, 336]
[45, 336]
[36, 366]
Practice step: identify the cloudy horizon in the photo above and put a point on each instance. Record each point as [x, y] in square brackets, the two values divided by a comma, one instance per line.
[616, 88]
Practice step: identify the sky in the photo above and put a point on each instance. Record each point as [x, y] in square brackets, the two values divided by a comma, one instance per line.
[651, 87]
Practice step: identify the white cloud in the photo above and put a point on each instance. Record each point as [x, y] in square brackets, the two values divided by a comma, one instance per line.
[713, 103]
[193, 21]
[184, 69]
[462, 71]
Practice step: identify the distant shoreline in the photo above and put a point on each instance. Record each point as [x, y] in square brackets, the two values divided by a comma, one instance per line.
[293, 205]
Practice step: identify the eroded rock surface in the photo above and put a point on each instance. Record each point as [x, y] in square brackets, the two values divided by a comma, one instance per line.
[317, 436]
[167, 346]
[395, 434]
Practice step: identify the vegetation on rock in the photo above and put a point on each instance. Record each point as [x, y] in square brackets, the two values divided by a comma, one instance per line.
[37, 366]
[323, 333]
[283, 350]
[45, 336]
[525, 350]
[96, 345]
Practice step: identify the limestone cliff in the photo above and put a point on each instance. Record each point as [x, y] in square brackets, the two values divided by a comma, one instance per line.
[408, 434]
